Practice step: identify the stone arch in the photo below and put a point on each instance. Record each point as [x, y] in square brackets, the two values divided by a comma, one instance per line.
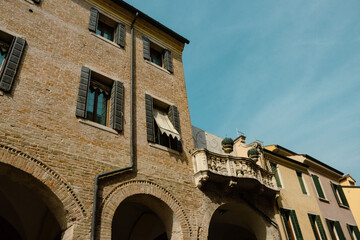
[51, 180]
[140, 187]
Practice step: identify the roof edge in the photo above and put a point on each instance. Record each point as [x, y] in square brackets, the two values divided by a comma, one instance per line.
[286, 158]
[151, 21]
[322, 164]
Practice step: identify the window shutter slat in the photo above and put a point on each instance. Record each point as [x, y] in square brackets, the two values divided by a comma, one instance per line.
[81, 103]
[334, 187]
[116, 106]
[318, 186]
[301, 181]
[328, 223]
[342, 196]
[311, 218]
[296, 225]
[321, 227]
[356, 231]
[174, 117]
[146, 46]
[285, 219]
[149, 118]
[339, 231]
[168, 61]
[12, 62]
[350, 231]
[94, 17]
[119, 35]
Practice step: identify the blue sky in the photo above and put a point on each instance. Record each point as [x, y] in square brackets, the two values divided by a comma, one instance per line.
[283, 72]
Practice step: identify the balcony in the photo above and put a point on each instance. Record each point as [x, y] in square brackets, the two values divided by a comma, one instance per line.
[232, 172]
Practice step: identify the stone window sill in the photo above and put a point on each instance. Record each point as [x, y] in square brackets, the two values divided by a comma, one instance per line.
[106, 40]
[99, 126]
[158, 67]
[1, 93]
[324, 200]
[163, 148]
[343, 206]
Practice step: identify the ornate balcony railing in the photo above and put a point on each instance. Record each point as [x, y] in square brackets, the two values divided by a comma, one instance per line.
[232, 171]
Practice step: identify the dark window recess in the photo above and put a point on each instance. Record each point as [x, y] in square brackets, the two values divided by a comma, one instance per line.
[317, 227]
[106, 27]
[158, 55]
[100, 99]
[335, 230]
[318, 187]
[339, 195]
[275, 171]
[11, 51]
[354, 232]
[162, 124]
[291, 224]
[301, 182]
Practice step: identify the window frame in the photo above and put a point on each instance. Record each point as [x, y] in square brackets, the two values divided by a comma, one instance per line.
[151, 48]
[276, 167]
[320, 186]
[353, 231]
[302, 183]
[334, 227]
[319, 231]
[292, 227]
[339, 195]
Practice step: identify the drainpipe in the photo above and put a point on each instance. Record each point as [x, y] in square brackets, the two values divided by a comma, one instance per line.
[132, 135]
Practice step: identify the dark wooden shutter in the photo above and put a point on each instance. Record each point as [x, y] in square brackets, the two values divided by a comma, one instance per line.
[301, 181]
[318, 186]
[168, 61]
[146, 46]
[312, 221]
[349, 227]
[149, 118]
[81, 103]
[173, 115]
[330, 227]
[94, 17]
[342, 196]
[12, 62]
[334, 188]
[116, 106]
[356, 231]
[275, 172]
[321, 227]
[296, 225]
[339, 230]
[285, 217]
[119, 35]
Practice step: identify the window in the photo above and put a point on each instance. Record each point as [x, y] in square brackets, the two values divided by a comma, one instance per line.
[162, 123]
[11, 50]
[354, 232]
[317, 227]
[106, 27]
[339, 195]
[157, 55]
[335, 230]
[301, 182]
[318, 187]
[275, 170]
[291, 224]
[100, 99]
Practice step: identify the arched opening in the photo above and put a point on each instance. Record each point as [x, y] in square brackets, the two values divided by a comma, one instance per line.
[236, 222]
[28, 208]
[144, 217]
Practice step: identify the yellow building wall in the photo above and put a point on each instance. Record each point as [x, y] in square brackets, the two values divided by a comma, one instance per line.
[352, 194]
[292, 198]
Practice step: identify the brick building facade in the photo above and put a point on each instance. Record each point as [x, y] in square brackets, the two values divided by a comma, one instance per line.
[93, 96]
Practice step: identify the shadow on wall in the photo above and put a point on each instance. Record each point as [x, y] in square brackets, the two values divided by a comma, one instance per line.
[203, 139]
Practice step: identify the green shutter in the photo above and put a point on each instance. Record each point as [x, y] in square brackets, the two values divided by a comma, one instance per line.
[349, 227]
[339, 230]
[119, 35]
[94, 17]
[342, 196]
[150, 128]
[318, 186]
[330, 227]
[301, 181]
[275, 171]
[312, 221]
[296, 225]
[81, 103]
[334, 188]
[321, 227]
[285, 218]
[11, 64]
[168, 61]
[356, 231]
[116, 106]
[146, 48]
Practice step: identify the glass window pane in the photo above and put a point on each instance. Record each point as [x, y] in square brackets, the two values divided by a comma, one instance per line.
[90, 104]
[101, 109]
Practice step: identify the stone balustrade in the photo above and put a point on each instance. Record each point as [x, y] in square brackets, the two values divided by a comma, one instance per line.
[233, 171]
